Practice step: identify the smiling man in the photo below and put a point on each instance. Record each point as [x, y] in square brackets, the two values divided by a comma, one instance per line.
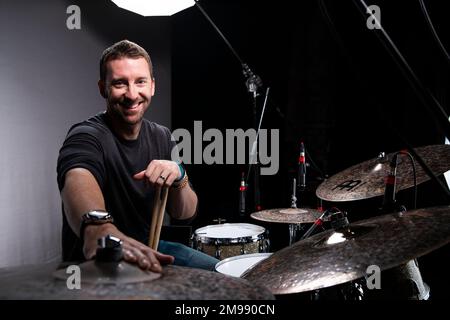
[110, 164]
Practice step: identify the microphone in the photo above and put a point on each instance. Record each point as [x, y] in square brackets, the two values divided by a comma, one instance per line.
[316, 224]
[390, 184]
[302, 168]
[242, 190]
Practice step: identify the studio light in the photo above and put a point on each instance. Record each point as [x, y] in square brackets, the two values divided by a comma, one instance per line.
[154, 7]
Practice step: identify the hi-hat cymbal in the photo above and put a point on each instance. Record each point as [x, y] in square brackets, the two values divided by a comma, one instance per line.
[367, 179]
[334, 257]
[287, 215]
[175, 283]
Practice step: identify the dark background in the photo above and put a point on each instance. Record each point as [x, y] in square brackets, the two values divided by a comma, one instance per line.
[333, 85]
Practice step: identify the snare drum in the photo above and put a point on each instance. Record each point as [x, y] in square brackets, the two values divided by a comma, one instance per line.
[236, 266]
[230, 239]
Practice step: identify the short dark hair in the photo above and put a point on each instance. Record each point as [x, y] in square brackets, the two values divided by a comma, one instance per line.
[121, 49]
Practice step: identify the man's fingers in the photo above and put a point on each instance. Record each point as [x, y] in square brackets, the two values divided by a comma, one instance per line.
[90, 254]
[164, 258]
[140, 175]
[129, 256]
[170, 179]
[138, 253]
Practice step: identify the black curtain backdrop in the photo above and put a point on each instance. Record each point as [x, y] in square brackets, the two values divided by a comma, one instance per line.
[333, 86]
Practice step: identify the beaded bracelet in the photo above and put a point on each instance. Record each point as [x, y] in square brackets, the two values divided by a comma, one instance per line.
[182, 183]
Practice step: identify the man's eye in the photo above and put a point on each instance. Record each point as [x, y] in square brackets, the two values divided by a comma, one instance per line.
[142, 82]
[119, 85]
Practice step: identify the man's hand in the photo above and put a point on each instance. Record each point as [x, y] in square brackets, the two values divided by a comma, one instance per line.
[160, 172]
[133, 251]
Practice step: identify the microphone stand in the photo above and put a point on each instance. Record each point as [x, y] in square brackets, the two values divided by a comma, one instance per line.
[253, 83]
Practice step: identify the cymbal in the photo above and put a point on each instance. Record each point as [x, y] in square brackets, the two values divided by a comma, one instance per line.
[110, 273]
[367, 179]
[175, 283]
[287, 215]
[335, 257]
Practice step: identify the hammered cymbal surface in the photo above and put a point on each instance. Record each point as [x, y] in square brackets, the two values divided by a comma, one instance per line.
[36, 282]
[287, 215]
[335, 257]
[367, 179]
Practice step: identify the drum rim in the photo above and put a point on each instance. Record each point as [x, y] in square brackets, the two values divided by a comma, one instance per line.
[239, 240]
[239, 257]
[243, 256]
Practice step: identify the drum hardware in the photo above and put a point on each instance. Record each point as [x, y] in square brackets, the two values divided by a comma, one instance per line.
[220, 220]
[293, 231]
[406, 279]
[293, 228]
[218, 252]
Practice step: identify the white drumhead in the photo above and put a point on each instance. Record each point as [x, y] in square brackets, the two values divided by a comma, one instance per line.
[230, 230]
[236, 266]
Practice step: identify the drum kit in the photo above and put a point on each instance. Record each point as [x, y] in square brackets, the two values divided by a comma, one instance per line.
[342, 257]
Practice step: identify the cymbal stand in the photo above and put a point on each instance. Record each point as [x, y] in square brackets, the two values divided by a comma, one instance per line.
[294, 227]
[404, 280]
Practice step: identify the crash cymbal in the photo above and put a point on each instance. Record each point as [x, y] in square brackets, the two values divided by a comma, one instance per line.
[175, 283]
[287, 215]
[367, 180]
[331, 257]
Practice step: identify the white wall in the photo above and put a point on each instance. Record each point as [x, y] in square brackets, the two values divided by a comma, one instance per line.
[48, 77]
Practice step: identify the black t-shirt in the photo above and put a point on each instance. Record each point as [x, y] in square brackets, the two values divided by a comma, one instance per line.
[113, 161]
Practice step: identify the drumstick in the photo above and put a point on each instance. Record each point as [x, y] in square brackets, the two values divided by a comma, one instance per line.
[162, 208]
[154, 216]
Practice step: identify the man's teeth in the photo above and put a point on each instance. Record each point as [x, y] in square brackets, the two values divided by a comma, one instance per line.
[132, 106]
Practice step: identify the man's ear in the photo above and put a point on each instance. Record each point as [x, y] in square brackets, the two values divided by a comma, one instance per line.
[153, 86]
[102, 88]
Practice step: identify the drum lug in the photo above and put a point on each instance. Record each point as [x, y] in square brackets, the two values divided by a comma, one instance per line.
[218, 250]
[192, 243]
[242, 242]
[265, 246]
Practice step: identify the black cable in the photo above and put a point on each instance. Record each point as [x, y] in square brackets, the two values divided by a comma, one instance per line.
[433, 30]
[322, 175]
[411, 158]
[431, 105]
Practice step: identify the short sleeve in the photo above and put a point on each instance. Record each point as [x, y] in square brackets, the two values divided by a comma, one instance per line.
[81, 149]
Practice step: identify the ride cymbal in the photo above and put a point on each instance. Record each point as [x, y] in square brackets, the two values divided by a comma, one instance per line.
[367, 179]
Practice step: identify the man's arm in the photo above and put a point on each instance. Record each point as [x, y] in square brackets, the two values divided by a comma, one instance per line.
[182, 203]
[81, 194]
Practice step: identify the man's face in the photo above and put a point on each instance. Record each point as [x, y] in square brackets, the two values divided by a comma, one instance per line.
[128, 89]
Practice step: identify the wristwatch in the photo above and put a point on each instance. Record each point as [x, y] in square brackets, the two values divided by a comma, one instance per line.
[95, 217]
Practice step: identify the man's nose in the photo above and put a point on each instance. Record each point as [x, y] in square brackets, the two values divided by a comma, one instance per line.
[132, 92]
